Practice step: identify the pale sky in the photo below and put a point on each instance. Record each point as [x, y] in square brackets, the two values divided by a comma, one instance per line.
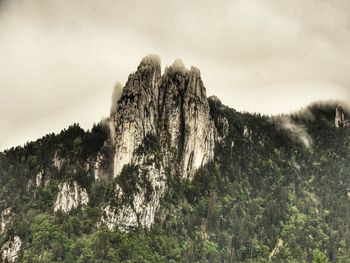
[60, 59]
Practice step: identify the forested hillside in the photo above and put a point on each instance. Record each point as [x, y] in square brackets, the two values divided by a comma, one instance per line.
[174, 176]
[276, 191]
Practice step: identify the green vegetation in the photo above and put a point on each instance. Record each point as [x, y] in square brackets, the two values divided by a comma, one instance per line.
[264, 198]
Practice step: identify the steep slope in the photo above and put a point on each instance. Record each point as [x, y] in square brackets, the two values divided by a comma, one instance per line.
[173, 108]
[173, 176]
[170, 111]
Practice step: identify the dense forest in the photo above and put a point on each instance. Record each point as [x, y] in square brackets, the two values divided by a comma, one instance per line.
[278, 190]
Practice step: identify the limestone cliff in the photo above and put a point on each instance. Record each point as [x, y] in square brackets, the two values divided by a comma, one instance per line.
[5, 219]
[173, 110]
[137, 111]
[70, 196]
[139, 209]
[172, 107]
[10, 251]
[186, 125]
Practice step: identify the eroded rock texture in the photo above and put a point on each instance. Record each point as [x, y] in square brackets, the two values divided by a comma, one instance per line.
[172, 107]
[137, 111]
[5, 219]
[169, 112]
[186, 125]
[138, 209]
[70, 196]
[10, 251]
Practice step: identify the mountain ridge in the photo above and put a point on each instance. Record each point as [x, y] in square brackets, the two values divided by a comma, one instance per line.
[171, 167]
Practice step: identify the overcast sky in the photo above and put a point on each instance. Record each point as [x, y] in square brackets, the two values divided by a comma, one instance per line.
[60, 59]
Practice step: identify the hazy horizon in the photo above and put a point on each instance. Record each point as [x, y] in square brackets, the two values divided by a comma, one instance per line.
[60, 60]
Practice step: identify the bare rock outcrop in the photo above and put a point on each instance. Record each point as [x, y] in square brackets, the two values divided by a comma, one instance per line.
[340, 121]
[186, 125]
[10, 251]
[71, 195]
[172, 107]
[139, 209]
[339, 117]
[5, 219]
[173, 110]
[137, 111]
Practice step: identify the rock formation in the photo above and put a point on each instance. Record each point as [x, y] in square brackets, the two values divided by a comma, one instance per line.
[137, 111]
[340, 121]
[41, 179]
[70, 196]
[186, 125]
[5, 219]
[172, 107]
[140, 209]
[171, 113]
[11, 250]
[339, 117]
[57, 161]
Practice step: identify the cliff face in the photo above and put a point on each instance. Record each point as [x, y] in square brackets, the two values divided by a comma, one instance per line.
[186, 125]
[171, 109]
[70, 196]
[5, 219]
[137, 112]
[139, 169]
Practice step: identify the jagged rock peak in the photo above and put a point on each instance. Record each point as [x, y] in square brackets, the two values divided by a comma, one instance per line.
[174, 104]
[161, 123]
[178, 66]
[151, 59]
[194, 71]
[150, 62]
[178, 79]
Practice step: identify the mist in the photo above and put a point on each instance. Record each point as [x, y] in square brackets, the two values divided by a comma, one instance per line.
[116, 95]
[297, 133]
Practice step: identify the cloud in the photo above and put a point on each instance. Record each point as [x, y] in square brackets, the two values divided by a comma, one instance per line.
[59, 58]
[296, 133]
[116, 95]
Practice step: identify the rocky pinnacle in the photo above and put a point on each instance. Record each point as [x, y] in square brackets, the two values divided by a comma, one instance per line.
[173, 107]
